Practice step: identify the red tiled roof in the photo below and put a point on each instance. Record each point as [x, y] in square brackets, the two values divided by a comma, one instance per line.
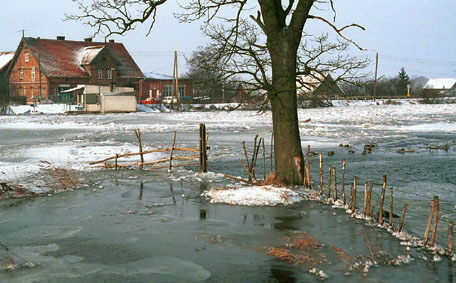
[64, 58]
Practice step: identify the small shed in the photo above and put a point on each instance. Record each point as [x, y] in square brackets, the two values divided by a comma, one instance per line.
[105, 99]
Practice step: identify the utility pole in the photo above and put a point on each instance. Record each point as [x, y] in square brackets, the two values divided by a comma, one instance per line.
[175, 85]
[375, 80]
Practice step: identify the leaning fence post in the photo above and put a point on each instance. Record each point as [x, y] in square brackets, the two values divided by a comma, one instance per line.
[203, 148]
[115, 161]
[382, 199]
[450, 237]
[436, 220]
[402, 217]
[428, 225]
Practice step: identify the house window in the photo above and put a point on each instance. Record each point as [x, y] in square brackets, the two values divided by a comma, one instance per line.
[108, 74]
[21, 91]
[31, 91]
[100, 74]
[167, 90]
[33, 73]
[181, 90]
[26, 56]
[21, 74]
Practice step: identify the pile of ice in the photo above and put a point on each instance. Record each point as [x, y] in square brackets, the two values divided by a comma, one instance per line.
[253, 196]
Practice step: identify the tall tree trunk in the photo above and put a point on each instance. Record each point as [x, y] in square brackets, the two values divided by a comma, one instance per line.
[289, 161]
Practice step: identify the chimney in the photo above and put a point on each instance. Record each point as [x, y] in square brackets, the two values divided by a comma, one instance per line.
[88, 39]
[60, 37]
[111, 41]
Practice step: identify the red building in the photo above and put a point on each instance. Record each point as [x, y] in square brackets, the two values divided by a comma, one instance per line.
[43, 68]
[160, 86]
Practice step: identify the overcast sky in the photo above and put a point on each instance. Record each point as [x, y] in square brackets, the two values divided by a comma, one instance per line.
[417, 35]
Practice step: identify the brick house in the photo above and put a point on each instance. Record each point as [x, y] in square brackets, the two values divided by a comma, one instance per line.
[159, 86]
[44, 68]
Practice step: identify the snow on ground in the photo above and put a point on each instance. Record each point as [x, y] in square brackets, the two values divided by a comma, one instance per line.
[253, 196]
[43, 109]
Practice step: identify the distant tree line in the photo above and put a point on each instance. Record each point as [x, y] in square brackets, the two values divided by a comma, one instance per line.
[387, 87]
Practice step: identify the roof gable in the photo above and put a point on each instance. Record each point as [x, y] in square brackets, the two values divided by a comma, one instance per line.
[314, 81]
[65, 58]
[5, 58]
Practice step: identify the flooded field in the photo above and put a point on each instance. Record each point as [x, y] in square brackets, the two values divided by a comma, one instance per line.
[140, 226]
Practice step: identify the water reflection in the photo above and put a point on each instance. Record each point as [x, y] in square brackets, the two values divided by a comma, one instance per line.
[282, 275]
[202, 214]
[141, 187]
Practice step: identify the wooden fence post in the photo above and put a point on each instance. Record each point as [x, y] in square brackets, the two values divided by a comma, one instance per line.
[270, 156]
[382, 199]
[203, 148]
[428, 225]
[436, 220]
[252, 164]
[321, 174]
[334, 184]
[138, 138]
[390, 220]
[369, 196]
[115, 161]
[329, 182]
[264, 162]
[307, 168]
[343, 181]
[402, 217]
[365, 200]
[354, 195]
[171, 151]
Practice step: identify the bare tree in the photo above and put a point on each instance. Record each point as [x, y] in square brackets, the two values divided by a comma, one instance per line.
[281, 25]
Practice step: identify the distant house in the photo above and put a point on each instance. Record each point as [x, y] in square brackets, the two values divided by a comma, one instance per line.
[43, 68]
[440, 87]
[159, 86]
[5, 60]
[318, 85]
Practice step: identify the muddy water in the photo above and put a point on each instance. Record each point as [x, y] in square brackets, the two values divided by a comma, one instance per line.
[131, 226]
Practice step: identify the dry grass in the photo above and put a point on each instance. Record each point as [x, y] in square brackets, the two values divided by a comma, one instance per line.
[60, 178]
[300, 248]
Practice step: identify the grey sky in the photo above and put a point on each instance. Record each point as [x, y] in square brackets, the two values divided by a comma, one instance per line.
[418, 35]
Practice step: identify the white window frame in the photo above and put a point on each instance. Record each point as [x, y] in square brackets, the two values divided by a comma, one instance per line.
[108, 74]
[26, 56]
[100, 74]
[33, 73]
[21, 73]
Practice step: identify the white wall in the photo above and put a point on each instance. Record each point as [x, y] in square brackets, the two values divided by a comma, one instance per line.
[118, 103]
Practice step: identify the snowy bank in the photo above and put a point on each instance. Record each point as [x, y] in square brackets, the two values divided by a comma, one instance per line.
[253, 196]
